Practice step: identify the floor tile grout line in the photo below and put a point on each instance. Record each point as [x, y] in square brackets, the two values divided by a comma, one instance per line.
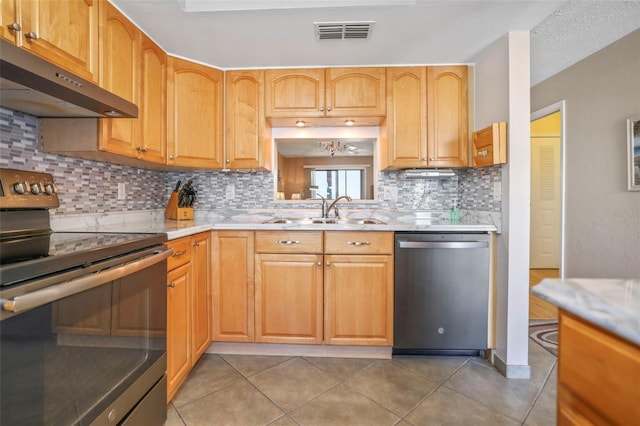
[535, 400]
[434, 390]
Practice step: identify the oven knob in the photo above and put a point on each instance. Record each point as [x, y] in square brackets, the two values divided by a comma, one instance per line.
[36, 188]
[21, 187]
[50, 189]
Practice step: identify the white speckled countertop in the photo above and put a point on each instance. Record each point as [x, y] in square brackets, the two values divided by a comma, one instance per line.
[154, 222]
[613, 304]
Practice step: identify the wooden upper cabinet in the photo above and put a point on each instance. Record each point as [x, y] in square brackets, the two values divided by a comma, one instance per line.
[9, 21]
[64, 32]
[248, 142]
[153, 102]
[334, 92]
[447, 117]
[294, 93]
[120, 65]
[427, 118]
[355, 92]
[195, 114]
[404, 135]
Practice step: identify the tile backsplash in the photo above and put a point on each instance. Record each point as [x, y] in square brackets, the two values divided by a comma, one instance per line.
[91, 187]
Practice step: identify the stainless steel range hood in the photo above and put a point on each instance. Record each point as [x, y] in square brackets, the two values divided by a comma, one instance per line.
[37, 87]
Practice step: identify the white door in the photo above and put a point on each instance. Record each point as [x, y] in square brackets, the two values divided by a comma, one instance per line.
[545, 203]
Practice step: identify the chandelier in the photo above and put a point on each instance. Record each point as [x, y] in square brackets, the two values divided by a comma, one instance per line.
[332, 147]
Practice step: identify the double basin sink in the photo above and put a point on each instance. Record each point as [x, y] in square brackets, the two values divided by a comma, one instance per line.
[325, 221]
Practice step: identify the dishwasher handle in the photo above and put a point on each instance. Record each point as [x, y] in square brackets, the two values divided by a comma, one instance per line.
[442, 244]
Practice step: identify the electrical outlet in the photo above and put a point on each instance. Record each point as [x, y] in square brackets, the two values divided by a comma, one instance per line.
[497, 191]
[122, 191]
[230, 192]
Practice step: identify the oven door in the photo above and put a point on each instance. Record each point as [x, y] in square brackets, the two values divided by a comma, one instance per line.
[84, 350]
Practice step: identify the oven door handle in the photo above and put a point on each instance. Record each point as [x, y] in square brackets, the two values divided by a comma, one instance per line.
[59, 291]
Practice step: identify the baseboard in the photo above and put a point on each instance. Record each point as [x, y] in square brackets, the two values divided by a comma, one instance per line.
[511, 371]
[376, 352]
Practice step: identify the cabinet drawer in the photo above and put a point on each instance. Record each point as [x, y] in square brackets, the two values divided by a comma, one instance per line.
[600, 369]
[288, 241]
[181, 253]
[358, 242]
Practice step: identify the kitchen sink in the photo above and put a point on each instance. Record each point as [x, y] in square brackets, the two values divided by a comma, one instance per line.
[325, 221]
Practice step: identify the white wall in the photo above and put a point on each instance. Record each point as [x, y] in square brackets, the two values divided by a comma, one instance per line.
[602, 234]
[502, 94]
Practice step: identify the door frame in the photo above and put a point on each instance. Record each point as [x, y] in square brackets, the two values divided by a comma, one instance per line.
[548, 110]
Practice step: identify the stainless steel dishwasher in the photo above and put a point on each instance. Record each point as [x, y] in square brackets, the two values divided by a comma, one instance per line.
[441, 293]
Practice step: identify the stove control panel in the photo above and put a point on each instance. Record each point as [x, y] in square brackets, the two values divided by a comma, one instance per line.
[21, 189]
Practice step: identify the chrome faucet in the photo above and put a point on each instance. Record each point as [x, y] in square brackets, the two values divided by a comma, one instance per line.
[333, 205]
[323, 207]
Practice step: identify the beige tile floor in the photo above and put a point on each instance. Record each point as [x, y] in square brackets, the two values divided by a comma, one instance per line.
[282, 391]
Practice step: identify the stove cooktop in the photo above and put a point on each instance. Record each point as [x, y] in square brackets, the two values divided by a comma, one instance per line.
[26, 258]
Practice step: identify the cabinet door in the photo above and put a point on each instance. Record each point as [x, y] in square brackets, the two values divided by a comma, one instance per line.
[295, 93]
[358, 300]
[178, 326]
[357, 92]
[289, 298]
[194, 103]
[9, 21]
[120, 59]
[233, 286]
[63, 31]
[447, 123]
[153, 102]
[406, 124]
[200, 296]
[248, 139]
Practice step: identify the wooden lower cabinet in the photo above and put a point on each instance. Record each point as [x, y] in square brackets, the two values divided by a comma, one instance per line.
[188, 306]
[303, 287]
[289, 298]
[358, 300]
[598, 375]
[200, 295]
[233, 286]
[358, 283]
[178, 326]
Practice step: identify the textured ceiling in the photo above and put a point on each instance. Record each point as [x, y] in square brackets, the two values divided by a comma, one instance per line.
[576, 30]
[429, 32]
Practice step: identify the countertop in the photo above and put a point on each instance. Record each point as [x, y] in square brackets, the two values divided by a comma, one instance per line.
[154, 222]
[613, 304]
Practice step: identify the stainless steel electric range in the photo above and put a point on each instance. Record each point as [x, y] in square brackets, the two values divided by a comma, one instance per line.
[82, 316]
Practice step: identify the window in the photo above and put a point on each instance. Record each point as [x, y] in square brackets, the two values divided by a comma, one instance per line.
[333, 183]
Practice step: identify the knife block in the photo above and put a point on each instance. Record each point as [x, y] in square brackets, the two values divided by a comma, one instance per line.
[177, 213]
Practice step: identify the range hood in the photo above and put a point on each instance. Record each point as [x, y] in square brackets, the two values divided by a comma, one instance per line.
[32, 85]
[426, 174]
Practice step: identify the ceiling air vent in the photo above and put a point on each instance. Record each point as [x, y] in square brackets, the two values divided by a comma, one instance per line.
[343, 30]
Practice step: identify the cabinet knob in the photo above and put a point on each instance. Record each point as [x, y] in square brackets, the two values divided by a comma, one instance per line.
[171, 157]
[328, 108]
[321, 108]
[15, 26]
[424, 158]
[228, 161]
[328, 264]
[32, 35]
[171, 285]
[358, 243]
[196, 244]
[432, 158]
[319, 263]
